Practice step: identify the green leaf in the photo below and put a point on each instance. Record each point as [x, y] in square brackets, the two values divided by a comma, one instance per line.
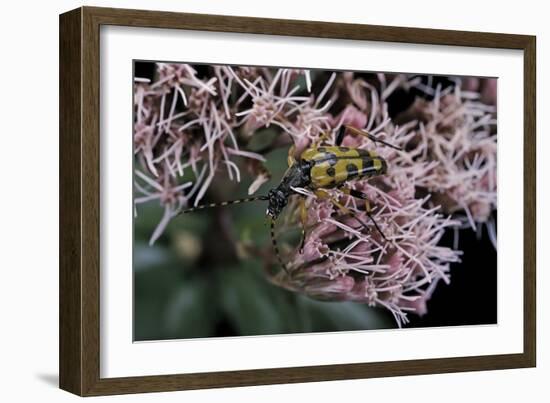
[261, 139]
[152, 289]
[192, 311]
[148, 257]
[249, 304]
[344, 316]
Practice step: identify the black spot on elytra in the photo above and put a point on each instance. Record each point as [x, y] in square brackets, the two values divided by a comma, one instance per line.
[352, 170]
[367, 163]
[321, 149]
[331, 171]
[368, 167]
[331, 158]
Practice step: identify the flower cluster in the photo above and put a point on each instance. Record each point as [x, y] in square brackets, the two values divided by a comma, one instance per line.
[458, 131]
[193, 123]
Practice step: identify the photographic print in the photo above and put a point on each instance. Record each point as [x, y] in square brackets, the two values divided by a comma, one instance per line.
[274, 200]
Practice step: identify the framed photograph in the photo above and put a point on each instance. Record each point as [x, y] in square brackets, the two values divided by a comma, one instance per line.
[249, 201]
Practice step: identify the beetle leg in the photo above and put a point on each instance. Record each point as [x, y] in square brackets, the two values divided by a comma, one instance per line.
[323, 194]
[360, 195]
[371, 137]
[322, 138]
[291, 160]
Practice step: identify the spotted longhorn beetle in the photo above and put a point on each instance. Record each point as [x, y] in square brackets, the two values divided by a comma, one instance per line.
[319, 168]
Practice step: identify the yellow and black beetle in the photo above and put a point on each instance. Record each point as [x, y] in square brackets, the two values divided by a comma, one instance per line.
[319, 168]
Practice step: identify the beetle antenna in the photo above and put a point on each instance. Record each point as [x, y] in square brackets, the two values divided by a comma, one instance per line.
[276, 247]
[372, 137]
[223, 204]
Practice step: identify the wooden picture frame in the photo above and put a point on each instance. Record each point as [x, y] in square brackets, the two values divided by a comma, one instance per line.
[80, 200]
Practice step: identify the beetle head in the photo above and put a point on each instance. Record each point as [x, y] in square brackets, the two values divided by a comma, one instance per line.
[277, 202]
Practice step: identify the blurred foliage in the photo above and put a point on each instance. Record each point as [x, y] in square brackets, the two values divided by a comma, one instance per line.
[195, 282]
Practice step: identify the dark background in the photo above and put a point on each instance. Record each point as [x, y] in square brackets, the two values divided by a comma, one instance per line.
[471, 297]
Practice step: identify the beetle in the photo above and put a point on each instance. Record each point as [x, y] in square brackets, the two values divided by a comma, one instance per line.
[319, 168]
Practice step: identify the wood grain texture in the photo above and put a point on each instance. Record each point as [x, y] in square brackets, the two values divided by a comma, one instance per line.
[316, 29]
[80, 200]
[530, 202]
[70, 271]
[90, 202]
